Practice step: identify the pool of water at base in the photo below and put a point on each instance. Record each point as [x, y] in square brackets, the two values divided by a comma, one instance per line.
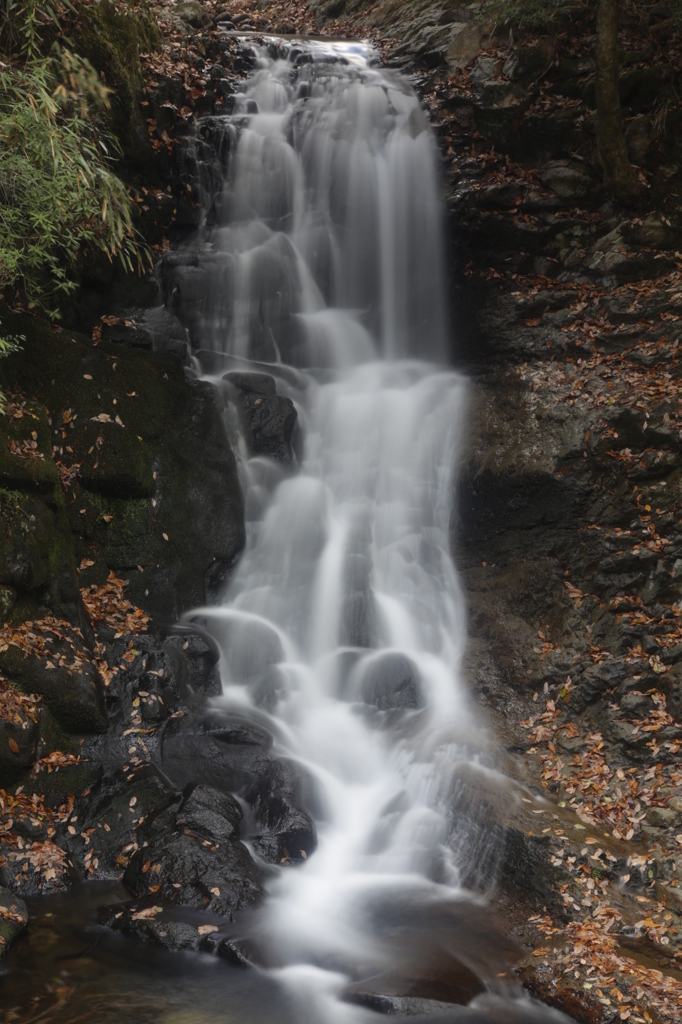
[69, 969]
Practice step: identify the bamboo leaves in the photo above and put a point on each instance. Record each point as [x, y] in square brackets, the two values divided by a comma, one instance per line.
[59, 197]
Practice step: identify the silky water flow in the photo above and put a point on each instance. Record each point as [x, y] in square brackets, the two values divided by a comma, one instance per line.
[342, 628]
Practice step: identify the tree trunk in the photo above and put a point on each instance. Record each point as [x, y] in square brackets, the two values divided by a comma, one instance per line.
[618, 173]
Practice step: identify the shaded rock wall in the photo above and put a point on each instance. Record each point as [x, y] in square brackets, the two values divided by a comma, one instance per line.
[131, 471]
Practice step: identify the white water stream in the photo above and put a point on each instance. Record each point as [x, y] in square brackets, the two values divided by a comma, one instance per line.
[327, 257]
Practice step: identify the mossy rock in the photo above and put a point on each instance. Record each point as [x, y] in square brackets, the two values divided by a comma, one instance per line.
[114, 461]
[35, 472]
[52, 737]
[190, 12]
[37, 565]
[65, 372]
[113, 41]
[69, 780]
[130, 539]
[18, 742]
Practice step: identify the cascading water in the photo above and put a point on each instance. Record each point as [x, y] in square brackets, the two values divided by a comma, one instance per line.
[343, 623]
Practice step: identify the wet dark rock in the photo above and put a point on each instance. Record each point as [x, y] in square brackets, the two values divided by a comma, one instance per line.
[269, 688]
[13, 919]
[214, 815]
[180, 669]
[162, 931]
[172, 673]
[269, 418]
[526, 871]
[391, 681]
[238, 952]
[283, 830]
[156, 329]
[115, 816]
[214, 750]
[597, 681]
[17, 870]
[18, 746]
[70, 780]
[75, 696]
[194, 657]
[220, 878]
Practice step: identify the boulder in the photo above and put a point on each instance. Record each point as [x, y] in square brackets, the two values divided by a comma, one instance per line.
[69, 780]
[568, 179]
[18, 744]
[216, 750]
[73, 694]
[663, 817]
[220, 878]
[269, 419]
[391, 681]
[192, 13]
[284, 830]
[120, 812]
[36, 556]
[156, 329]
[214, 815]
[173, 672]
[464, 43]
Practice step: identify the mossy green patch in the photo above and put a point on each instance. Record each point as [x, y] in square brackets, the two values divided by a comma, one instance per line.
[37, 568]
[112, 41]
[70, 780]
[25, 453]
[114, 461]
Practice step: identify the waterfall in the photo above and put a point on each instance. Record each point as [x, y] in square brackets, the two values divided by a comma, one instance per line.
[343, 626]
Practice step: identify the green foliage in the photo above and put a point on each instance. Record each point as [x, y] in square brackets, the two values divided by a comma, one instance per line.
[58, 194]
[112, 39]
